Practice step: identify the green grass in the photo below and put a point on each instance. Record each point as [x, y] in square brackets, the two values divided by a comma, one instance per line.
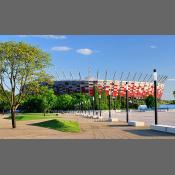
[52, 123]
[60, 125]
[34, 116]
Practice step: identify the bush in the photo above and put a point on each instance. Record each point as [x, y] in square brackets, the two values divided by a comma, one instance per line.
[150, 101]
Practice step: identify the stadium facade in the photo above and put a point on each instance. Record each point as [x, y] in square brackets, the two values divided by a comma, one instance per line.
[136, 89]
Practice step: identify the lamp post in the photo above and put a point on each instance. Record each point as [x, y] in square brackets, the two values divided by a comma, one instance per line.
[114, 98]
[100, 103]
[127, 106]
[93, 99]
[80, 107]
[155, 95]
[109, 97]
[89, 108]
[85, 107]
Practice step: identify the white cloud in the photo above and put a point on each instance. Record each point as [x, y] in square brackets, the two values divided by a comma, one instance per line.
[53, 36]
[85, 51]
[153, 46]
[22, 35]
[45, 36]
[61, 48]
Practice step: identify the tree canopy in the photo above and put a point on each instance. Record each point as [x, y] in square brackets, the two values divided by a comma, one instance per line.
[22, 67]
[150, 101]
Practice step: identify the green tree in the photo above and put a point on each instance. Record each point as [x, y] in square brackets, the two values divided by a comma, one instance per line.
[96, 97]
[48, 99]
[22, 66]
[78, 98]
[42, 101]
[44, 105]
[123, 102]
[32, 104]
[118, 103]
[150, 101]
[64, 102]
[104, 100]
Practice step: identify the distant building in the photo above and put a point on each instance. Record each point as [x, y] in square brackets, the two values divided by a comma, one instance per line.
[136, 89]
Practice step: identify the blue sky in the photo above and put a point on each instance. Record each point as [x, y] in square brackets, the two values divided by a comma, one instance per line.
[127, 53]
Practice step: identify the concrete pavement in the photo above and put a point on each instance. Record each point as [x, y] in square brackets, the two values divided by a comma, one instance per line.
[90, 129]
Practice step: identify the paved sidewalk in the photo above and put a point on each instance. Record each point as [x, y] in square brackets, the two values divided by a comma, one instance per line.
[90, 129]
[164, 118]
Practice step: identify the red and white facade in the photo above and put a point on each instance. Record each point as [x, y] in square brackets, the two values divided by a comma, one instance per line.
[135, 89]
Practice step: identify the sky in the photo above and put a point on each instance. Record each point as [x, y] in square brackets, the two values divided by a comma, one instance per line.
[114, 53]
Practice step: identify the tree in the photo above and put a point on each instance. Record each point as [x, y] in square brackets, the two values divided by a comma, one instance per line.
[104, 100]
[63, 102]
[150, 101]
[117, 103]
[44, 105]
[32, 104]
[48, 99]
[79, 97]
[96, 97]
[22, 66]
[42, 101]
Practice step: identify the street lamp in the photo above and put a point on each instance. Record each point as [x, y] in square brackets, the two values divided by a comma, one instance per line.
[85, 107]
[89, 104]
[100, 103]
[155, 95]
[93, 99]
[114, 98]
[110, 104]
[82, 107]
[127, 106]
[79, 107]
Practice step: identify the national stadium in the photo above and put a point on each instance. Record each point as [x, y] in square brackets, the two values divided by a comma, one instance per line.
[139, 89]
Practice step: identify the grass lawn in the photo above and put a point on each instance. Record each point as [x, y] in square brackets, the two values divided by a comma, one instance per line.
[54, 122]
[34, 116]
[60, 125]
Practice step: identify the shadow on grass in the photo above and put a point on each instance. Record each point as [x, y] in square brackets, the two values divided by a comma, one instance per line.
[59, 125]
[148, 132]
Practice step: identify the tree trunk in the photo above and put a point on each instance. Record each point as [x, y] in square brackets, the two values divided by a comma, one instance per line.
[13, 116]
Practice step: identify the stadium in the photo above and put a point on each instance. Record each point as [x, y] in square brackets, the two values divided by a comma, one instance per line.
[138, 89]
